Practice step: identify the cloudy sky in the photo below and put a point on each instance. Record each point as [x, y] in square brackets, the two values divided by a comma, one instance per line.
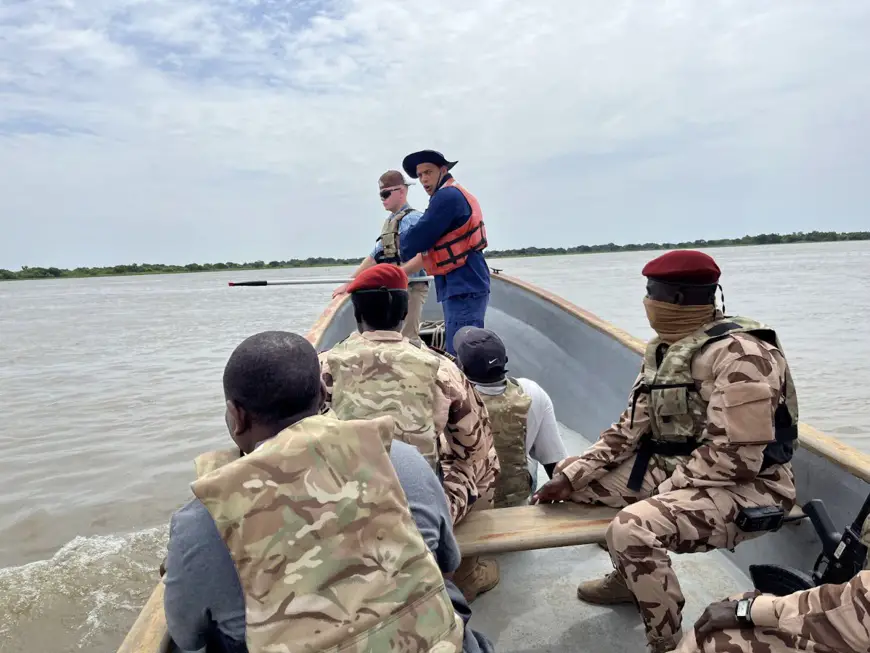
[211, 130]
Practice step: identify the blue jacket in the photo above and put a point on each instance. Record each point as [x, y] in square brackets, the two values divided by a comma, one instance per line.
[448, 210]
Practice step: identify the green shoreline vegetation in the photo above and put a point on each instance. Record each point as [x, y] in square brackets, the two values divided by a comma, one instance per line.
[27, 272]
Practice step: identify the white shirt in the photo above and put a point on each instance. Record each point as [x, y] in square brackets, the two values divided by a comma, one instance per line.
[543, 441]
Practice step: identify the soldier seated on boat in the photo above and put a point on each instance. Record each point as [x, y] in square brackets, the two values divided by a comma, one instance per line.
[825, 619]
[393, 188]
[379, 372]
[521, 413]
[709, 430]
[259, 558]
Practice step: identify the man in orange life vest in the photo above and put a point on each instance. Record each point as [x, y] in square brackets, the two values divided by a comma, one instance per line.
[451, 236]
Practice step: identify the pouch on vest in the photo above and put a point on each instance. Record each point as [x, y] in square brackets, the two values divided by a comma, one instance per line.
[671, 400]
[747, 413]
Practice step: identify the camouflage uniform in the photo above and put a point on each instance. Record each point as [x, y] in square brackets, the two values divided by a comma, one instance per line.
[688, 503]
[825, 619]
[379, 372]
[327, 552]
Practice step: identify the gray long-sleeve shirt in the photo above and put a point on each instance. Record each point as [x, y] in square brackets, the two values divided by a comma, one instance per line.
[202, 585]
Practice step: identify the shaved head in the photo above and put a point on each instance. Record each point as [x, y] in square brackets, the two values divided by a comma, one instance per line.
[273, 376]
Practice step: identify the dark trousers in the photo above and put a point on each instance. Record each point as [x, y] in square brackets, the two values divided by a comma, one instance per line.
[460, 311]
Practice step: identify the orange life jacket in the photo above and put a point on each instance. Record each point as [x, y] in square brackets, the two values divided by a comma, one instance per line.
[452, 249]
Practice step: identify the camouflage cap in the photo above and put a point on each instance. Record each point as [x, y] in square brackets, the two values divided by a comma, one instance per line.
[393, 178]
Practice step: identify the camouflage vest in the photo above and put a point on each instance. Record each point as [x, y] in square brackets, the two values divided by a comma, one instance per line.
[389, 237]
[371, 378]
[212, 460]
[327, 552]
[677, 411]
[508, 415]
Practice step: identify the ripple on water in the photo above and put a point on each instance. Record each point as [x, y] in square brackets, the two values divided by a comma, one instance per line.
[84, 597]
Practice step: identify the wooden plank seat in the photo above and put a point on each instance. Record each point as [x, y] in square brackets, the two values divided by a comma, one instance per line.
[525, 528]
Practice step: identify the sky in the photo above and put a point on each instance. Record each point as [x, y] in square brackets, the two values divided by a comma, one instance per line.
[236, 130]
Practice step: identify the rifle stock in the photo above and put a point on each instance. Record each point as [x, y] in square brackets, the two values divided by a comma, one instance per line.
[843, 555]
[824, 526]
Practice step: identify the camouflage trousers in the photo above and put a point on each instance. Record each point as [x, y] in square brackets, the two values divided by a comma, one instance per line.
[749, 640]
[642, 533]
[486, 476]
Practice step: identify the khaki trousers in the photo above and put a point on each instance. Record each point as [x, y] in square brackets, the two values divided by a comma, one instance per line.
[417, 294]
[682, 521]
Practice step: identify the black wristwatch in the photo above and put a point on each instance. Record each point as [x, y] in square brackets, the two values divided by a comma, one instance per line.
[744, 612]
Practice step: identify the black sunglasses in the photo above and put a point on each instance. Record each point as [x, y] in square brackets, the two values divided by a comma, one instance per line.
[389, 191]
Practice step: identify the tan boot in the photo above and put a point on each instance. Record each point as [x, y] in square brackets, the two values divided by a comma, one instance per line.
[474, 576]
[663, 644]
[605, 591]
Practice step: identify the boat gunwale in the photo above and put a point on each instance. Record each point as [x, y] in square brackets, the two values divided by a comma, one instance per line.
[141, 637]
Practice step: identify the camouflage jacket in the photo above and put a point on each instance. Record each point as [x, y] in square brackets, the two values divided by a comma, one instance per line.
[466, 451]
[326, 549]
[834, 616]
[730, 374]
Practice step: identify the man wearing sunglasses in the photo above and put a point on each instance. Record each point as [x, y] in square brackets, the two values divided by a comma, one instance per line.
[394, 197]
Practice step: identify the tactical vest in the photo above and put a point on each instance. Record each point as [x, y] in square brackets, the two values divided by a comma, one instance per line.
[328, 555]
[371, 378]
[678, 413]
[212, 460]
[508, 416]
[389, 238]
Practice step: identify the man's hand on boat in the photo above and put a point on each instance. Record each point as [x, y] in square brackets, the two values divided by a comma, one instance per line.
[556, 489]
[341, 290]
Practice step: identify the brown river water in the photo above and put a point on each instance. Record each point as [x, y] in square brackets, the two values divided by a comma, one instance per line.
[111, 386]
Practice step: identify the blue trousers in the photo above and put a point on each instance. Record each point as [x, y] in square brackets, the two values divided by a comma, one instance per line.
[460, 311]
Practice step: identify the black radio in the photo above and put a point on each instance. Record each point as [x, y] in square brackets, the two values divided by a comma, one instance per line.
[761, 518]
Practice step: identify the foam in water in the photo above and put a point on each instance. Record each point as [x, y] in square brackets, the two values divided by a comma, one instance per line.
[84, 598]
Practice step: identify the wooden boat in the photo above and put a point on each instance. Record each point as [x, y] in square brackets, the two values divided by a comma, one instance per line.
[587, 366]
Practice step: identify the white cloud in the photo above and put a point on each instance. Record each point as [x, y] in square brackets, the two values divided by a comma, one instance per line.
[209, 130]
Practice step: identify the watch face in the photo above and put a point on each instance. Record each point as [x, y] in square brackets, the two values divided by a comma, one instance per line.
[742, 608]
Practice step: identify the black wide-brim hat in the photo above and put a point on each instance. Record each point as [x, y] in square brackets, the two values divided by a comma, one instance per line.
[410, 162]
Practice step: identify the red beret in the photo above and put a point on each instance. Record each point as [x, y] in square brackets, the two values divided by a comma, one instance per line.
[382, 275]
[683, 266]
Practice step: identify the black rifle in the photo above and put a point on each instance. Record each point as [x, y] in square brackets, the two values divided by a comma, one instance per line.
[843, 555]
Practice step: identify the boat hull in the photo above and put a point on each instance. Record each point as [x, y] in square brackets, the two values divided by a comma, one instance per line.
[587, 366]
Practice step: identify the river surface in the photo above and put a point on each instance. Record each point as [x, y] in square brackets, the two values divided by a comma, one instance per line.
[111, 386]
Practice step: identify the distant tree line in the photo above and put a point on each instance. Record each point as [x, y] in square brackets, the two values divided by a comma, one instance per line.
[320, 261]
[760, 239]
